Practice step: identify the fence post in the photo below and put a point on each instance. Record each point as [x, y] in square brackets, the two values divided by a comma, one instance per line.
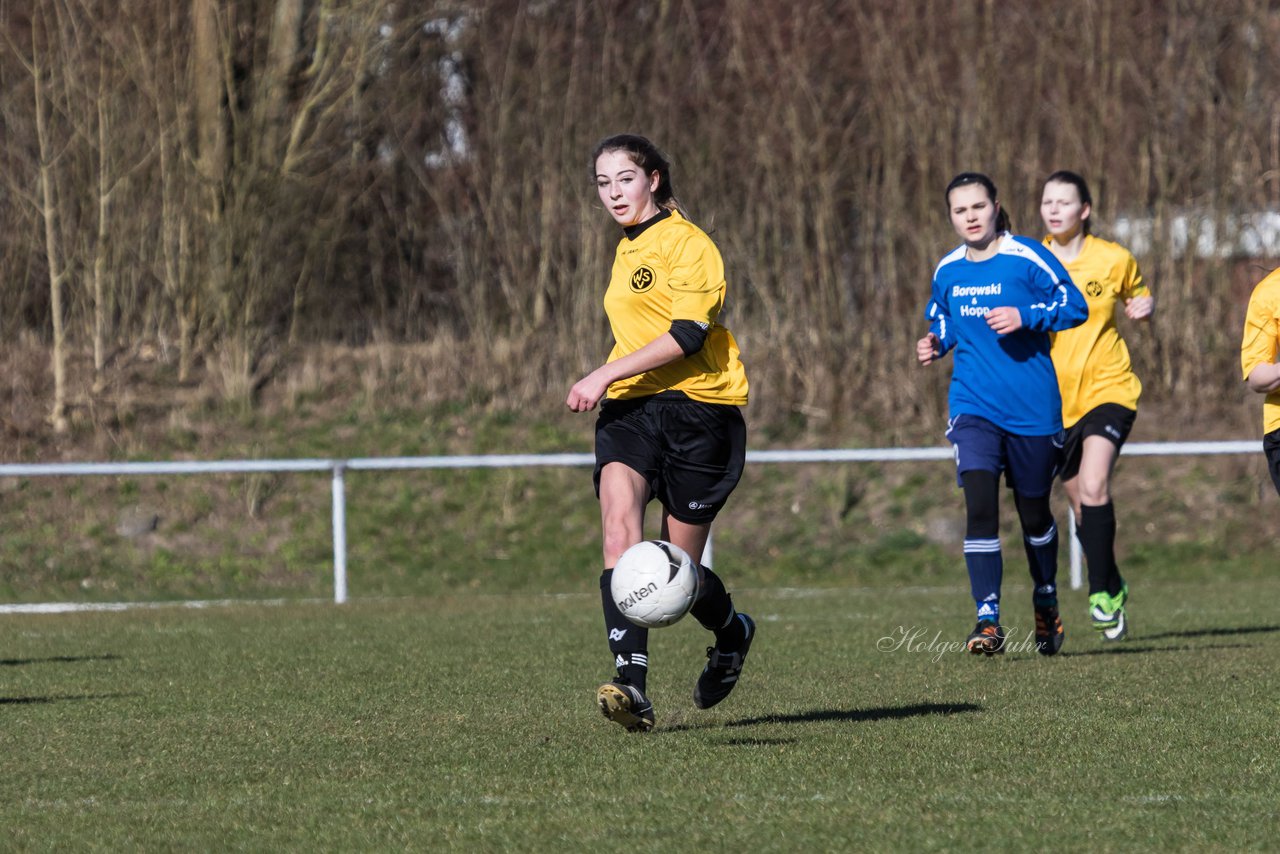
[1076, 580]
[339, 533]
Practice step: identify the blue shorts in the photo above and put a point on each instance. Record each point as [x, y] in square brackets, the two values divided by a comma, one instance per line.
[1029, 463]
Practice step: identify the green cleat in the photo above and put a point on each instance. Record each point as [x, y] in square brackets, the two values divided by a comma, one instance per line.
[1108, 613]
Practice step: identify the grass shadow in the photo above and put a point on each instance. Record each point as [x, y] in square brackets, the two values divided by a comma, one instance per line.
[862, 715]
[38, 701]
[57, 659]
[1137, 650]
[1213, 633]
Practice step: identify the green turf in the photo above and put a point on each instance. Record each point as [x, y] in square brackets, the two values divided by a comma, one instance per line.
[466, 722]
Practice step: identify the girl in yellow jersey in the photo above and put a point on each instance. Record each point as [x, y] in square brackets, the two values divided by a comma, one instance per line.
[1099, 388]
[1258, 350]
[670, 426]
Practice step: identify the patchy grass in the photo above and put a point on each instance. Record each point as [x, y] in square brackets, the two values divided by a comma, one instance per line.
[466, 721]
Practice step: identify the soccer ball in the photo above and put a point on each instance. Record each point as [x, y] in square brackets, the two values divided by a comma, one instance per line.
[655, 583]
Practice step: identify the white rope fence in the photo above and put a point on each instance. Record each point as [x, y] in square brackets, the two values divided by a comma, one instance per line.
[338, 469]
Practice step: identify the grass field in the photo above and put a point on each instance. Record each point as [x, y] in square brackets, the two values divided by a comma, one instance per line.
[466, 722]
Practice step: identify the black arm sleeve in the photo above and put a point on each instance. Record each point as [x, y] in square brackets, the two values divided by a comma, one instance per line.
[689, 334]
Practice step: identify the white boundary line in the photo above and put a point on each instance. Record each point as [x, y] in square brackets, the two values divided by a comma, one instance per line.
[47, 608]
[195, 604]
[787, 592]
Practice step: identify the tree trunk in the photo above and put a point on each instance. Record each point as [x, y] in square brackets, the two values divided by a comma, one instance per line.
[53, 254]
[100, 254]
[282, 55]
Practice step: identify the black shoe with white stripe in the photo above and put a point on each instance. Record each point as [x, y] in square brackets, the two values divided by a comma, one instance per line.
[723, 669]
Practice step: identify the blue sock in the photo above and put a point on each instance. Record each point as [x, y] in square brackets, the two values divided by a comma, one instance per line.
[1042, 558]
[986, 569]
[989, 609]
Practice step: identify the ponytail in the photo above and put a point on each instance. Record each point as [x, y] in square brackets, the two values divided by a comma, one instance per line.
[1002, 221]
[650, 159]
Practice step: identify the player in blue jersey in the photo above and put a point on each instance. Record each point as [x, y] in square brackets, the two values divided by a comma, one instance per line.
[996, 298]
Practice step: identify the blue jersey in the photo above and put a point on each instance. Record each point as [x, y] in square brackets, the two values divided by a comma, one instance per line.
[1007, 379]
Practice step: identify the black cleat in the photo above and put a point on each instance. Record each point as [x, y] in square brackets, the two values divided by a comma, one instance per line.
[721, 674]
[625, 704]
[987, 637]
[1049, 633]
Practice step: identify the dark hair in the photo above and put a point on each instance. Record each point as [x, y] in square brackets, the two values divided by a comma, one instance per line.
[649, 158]
[964, 179]
[1066, 176]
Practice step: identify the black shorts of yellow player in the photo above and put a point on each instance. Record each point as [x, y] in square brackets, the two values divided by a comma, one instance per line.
[690, 453]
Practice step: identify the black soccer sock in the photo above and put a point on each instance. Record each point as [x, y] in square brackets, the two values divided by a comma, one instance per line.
[628, 642]
[1040, 539]
[714, 610]
[1097, 535]
[1042, 559]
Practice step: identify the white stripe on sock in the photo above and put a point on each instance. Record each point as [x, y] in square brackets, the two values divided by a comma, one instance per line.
[1045, 538]
[982, 546]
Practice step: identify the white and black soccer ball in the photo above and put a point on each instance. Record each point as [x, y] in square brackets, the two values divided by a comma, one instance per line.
[655, 583]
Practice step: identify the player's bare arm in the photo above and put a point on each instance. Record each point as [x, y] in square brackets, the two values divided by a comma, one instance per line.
[1264, 378]
[587, 392]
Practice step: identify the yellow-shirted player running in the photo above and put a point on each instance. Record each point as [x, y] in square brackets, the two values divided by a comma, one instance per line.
[670, 426]
[1258, 348]
[1099, 388]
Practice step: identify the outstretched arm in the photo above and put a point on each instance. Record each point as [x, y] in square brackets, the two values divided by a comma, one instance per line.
[586, 392]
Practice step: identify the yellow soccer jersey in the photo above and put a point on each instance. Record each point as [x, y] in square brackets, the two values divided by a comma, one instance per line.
[1091, 359]
[672, 271]
[1262, 339]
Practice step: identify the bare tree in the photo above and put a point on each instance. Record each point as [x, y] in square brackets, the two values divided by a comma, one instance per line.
[241, 176]
[40, 68]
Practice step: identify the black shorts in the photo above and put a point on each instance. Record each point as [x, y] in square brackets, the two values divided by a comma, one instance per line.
[690, 453]
[1271, 447]
[1109, 420]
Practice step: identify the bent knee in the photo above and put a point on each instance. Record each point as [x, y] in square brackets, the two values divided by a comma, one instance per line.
[1093, 492]
[617, 539]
